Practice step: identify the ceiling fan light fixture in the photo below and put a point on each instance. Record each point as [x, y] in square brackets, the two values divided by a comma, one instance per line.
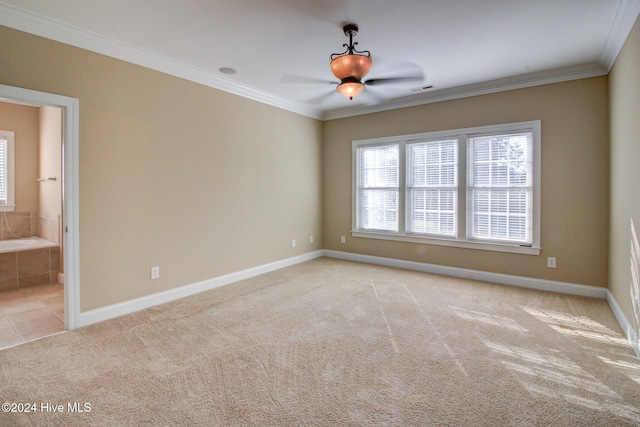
[351, 65]
[350, 87]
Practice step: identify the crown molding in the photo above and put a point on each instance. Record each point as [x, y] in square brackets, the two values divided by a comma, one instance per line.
[12, 17]
[42, 26]
[623, 21]
[482, 88]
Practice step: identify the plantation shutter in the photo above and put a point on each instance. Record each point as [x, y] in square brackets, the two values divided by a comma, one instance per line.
[3, 172]
[432, 187]
[378, 187]
[501, 187]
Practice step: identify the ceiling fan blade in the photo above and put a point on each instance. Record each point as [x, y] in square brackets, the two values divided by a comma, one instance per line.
[318, 99]
[373, 94]
[402, 67]
[290, 78]
[391, 80]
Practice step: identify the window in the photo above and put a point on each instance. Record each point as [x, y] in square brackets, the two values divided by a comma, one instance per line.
[475, 187]
[431, 187]
[500, 185]
[7, 198]
[378, 188]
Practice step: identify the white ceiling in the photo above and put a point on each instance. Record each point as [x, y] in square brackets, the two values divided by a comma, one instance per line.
[280, 48]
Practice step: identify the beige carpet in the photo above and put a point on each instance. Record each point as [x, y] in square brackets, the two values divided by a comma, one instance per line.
[336, 343]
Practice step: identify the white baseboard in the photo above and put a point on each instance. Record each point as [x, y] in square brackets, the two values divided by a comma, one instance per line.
[137, 304]
[504, 279]
[131, 306]
[624, 323]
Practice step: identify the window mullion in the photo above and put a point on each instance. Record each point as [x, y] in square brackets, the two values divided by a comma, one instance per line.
[402, 188]
[462, 187]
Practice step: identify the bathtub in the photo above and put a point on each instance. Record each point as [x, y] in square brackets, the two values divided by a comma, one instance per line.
[27, 243]
[28, 262]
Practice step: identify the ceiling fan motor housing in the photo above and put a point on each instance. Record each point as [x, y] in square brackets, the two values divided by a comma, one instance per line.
[350, 30]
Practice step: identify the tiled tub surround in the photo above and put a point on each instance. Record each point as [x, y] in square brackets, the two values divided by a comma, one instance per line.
[28, 262]
[29, 224]
[49, 228]
[21, 224]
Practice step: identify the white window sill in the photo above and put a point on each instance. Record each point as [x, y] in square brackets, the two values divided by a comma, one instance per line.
[496, 247]
[7, 208]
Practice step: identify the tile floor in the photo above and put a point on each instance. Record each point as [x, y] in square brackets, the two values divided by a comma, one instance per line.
[31, 313]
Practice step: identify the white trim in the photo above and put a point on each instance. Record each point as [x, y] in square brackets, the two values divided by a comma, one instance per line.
[71, 211]
[503, 279]
[485, 276]
[71, 173]
[482, 88]
[626, 15]
[131, 306]
[626, 326]
[42, 26]
[137, 304]
[469, 244]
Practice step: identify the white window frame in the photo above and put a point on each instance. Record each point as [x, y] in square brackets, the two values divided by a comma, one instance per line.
[9, 205]
[462, 238]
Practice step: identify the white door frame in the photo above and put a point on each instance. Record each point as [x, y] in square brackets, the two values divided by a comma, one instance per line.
[70, 190]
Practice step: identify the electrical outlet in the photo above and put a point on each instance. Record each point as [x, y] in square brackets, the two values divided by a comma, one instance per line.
[343, 240]
[310, 239]
[155, 273]
[293, 243]
[551, 262]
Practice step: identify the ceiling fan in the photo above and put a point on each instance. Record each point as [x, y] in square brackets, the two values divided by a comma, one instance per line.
[352, 65]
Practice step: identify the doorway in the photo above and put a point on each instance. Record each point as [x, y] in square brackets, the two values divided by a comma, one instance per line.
[70, 190]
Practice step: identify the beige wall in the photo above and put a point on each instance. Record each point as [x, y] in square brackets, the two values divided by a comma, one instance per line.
[23, 120]
[575, 178]
[625, 166]
[195, 180]
[205, 183]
